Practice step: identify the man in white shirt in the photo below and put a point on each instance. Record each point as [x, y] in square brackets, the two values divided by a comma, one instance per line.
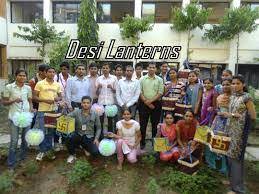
[77, 87]
[127, 92]
[106, 88]
[63, 76]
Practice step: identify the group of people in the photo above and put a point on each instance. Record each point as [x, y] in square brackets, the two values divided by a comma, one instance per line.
[227, 108]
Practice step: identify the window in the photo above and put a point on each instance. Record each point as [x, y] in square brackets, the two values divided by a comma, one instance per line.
[253, 6]
[29, 65]
[66, 12]
[161, 11]
[113, 12]
[26, 12]
[218, 10]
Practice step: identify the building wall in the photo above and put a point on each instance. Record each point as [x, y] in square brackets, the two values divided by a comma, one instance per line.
[203, 51]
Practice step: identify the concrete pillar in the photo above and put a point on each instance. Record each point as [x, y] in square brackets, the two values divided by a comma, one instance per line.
[137, 10]
[47, 10]
[232, 44]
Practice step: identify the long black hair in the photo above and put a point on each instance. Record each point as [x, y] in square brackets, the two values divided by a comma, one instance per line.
[241, 78]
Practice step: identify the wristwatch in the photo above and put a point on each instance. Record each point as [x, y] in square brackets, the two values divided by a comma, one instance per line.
[232, 114]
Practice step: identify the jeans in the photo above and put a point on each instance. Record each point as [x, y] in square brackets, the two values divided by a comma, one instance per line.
[48, 141]
[14, 132]
[76, 140]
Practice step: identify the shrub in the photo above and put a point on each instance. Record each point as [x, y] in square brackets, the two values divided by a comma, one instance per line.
[152, 186]
[80, 172]
[203, 182]
[149, 160]
[31, 168]
[6, 182]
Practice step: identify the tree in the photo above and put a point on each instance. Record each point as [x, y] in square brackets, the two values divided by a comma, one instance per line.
[189, 18]
[131, 28]
[88, 28]
[58, 52]
[41, 33]
[234, 22]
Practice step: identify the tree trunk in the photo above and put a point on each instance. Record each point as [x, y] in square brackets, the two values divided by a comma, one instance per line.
[188, 45]
[237, 61]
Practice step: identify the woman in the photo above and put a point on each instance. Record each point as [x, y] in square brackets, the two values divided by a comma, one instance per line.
[226, 74]
[129, 136]
[194, 92]
[174, 90]
[219, 125]
[168, 130]
[241, 117]
[185, 130]
[208, 102]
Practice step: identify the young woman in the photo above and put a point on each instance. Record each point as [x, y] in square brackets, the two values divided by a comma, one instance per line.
[185, 130]
[208, 102]
[194, 92]
[129, 136]
[226, 74]
[174, 89]
[241, 117]
[219, 125]
[168, 130]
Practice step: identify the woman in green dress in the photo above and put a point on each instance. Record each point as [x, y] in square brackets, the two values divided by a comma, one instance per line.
[241, 118]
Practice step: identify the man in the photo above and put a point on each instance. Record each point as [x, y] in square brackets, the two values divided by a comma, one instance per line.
[85, 122]
[198, 71]
[47, 92]
[18, 97]
[77, 87]
[152, 89]
[127, 92]
[41, 75]
[63, 76]
[118, 72]
[164, 70]
[138, 71]
[106, 88]
[93, 74]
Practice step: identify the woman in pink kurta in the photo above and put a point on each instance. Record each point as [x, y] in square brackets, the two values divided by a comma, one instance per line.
[168, 130]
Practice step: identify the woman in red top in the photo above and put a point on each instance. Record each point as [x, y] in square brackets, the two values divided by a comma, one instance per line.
[185, 130]
[168, 130]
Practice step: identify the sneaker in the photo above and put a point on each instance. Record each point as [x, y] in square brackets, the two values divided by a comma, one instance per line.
[71, 159]
[57, 147]
[40, 156]
[86, 153]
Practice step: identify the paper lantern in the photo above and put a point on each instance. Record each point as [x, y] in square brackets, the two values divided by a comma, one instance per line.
[98, 109]
[22, 119]
[111, 110]
[107, 147]
[34, 137]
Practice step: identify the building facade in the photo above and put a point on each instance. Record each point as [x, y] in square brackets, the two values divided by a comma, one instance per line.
[63, 14]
